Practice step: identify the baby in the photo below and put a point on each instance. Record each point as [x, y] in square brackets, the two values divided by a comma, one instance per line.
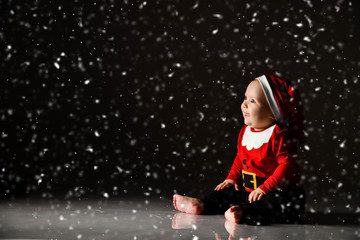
[263, 185]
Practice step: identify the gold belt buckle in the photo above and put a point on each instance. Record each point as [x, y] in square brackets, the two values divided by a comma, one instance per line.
[249, 179]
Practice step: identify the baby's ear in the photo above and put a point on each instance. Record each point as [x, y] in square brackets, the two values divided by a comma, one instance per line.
[273, 119]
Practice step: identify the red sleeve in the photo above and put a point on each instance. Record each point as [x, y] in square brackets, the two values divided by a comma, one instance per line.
[236, 169]
[287, 169]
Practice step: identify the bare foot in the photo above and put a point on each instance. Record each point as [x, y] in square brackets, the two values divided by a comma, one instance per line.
[188, 204]
[234, 214]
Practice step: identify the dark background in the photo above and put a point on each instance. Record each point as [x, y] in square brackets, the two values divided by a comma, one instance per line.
[110, 99]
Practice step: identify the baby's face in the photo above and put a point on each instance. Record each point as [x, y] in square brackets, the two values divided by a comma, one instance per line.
[255, 108]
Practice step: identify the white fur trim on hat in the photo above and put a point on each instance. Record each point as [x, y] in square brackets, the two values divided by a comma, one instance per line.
[270, 97]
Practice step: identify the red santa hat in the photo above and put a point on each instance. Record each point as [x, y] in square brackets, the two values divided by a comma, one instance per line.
[285, 103]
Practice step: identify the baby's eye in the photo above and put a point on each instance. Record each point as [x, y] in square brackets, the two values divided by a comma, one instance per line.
[252, 100]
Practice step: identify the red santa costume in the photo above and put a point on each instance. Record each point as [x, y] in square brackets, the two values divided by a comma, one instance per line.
[268, 159]
[265, 159]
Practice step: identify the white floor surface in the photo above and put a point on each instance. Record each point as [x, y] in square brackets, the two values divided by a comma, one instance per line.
[136, 219]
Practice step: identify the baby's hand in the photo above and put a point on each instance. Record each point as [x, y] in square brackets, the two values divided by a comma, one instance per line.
[255, 195]
[227, 183]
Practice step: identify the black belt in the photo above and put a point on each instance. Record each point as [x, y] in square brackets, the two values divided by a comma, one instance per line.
[251, 181]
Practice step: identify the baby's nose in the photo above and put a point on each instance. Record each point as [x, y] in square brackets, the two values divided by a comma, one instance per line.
[244, 104]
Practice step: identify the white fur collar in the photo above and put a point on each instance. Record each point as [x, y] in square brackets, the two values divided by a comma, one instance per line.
[256, 139]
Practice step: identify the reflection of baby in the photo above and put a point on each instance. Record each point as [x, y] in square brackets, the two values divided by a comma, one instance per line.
[190, 221]
[266, 161]
[236, 233]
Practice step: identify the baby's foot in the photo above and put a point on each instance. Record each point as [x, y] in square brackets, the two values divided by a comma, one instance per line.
[234, 214]
[188, 204]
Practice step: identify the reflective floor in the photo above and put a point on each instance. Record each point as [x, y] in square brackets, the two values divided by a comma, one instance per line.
[141, 219]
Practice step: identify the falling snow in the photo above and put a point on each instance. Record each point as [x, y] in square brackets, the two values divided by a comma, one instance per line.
[143, 98]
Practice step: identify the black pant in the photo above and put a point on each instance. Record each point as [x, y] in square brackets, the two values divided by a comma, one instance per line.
[279, 206]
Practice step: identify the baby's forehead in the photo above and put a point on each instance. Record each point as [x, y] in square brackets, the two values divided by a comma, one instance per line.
[255, 90]
[254, 87]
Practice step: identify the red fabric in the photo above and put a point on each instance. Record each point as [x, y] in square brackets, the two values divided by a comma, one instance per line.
[275, 160]
[290, 104]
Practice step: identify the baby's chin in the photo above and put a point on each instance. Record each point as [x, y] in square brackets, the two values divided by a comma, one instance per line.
[246, 122]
